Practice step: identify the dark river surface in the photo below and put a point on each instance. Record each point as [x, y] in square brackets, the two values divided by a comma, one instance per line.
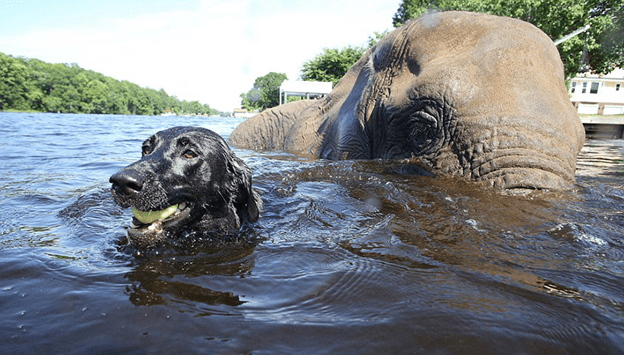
[348, 257]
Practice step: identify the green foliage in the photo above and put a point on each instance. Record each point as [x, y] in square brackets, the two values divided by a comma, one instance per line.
[264, 93]
[556, 18]
[34, 85]
[15, 90]
[333, 64]
[376, 37]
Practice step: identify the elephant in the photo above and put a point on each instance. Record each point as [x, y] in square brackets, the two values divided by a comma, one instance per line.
[470, 95]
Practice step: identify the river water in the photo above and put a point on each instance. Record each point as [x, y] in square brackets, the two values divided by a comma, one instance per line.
[348, 257]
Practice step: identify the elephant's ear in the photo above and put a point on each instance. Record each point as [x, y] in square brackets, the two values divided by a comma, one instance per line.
[247, 201]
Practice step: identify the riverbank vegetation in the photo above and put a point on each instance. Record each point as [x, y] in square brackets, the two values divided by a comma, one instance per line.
[264, 93]
[28, 84]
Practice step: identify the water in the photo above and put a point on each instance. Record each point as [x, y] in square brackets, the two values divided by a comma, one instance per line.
[348, 257]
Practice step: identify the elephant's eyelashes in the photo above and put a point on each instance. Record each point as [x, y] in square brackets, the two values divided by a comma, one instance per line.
[424, 131]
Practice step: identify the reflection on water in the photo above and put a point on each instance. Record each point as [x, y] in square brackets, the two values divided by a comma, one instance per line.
[180, 277]
[348, 257]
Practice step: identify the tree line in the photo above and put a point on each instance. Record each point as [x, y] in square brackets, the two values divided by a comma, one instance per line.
[329, 66]
[28, 84]
[599, 50]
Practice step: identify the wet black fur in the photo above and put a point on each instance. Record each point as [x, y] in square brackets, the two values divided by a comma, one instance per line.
[195, 166]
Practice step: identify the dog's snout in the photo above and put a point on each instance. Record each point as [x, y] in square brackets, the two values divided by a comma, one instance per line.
[127, 182]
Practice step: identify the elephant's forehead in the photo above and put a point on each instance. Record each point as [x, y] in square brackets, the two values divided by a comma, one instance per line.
[483, 60]
[495, 46]
[456, 33]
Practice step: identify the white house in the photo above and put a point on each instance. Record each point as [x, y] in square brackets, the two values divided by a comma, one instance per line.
[307, 89]
[243, 113]
[598, 94]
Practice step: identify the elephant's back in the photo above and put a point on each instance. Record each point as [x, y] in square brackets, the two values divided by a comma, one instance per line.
[268, 129]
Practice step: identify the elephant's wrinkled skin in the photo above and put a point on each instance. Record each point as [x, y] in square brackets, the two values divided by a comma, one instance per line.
[471, 95]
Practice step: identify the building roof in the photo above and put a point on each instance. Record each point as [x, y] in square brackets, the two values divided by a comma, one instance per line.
[617, 74]
[305, 87]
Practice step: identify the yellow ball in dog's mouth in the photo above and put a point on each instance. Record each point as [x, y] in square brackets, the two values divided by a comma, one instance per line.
[152, 216]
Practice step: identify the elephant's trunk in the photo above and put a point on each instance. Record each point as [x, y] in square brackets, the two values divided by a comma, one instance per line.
[513, 153]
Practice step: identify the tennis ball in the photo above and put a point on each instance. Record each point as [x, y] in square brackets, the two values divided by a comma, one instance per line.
[151, 216]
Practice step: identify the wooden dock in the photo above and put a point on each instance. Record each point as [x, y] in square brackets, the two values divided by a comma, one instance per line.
[607, 126]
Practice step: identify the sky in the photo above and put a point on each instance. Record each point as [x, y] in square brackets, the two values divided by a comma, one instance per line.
[205, 50]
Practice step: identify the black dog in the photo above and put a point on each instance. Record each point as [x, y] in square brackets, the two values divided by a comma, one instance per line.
[187, 179]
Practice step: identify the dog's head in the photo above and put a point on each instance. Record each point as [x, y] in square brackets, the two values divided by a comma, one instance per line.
[187, 179]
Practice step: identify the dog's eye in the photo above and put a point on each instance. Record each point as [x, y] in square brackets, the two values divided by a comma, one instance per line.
[189, 154]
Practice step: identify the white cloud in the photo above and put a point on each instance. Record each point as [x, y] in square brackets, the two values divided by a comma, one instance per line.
[212, 54]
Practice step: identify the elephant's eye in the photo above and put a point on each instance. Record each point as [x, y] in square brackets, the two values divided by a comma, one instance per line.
[146, 150]
[425, 130]
[189, 154]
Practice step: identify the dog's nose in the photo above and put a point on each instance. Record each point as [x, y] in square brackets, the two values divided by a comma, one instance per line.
[127, 182]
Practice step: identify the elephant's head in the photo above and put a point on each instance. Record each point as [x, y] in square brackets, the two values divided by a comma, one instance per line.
[470, 95]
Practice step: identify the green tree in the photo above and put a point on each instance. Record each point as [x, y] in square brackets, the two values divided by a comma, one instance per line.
[376, 37]
[331, 65]
[14, 88]
[52, 104]
[557, 18]
[116, 100]
[264, 93]
[31, 84]
[94, 97]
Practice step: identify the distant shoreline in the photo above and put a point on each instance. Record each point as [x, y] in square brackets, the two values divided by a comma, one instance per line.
[223, 114]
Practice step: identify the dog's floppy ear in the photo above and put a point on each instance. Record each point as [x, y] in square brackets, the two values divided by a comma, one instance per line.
[254, 206]
[248, 202]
